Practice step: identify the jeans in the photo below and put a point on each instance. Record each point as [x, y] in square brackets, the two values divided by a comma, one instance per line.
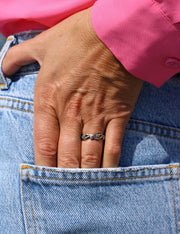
[142, 195]
[2, 40]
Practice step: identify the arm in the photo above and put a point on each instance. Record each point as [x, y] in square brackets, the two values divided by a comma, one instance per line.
[144, 35]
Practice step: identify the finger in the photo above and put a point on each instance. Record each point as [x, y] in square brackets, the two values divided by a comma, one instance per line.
[18, 56]
[69, 148]
[46, 129]
[91, 150]
[113, 139]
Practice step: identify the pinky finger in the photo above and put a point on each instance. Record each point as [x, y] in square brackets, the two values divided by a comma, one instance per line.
[113, 139]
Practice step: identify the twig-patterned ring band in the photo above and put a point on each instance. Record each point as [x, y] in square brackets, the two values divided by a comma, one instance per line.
[96, 137]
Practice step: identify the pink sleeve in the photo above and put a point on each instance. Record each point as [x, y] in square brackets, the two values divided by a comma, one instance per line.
[144, 35]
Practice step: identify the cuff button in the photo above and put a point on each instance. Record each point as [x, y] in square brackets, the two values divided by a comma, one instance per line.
[172, 62]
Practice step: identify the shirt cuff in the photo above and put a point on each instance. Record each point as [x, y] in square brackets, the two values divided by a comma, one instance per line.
[140, 36]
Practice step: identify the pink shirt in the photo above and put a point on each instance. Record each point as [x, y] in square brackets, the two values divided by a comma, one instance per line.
[144, 35]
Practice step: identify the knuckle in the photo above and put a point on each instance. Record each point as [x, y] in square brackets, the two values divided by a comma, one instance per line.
[114, 150]
[74, 106]
[68, 161]
[46, 148]
[91, 160]
[46, 90]
[44, 96]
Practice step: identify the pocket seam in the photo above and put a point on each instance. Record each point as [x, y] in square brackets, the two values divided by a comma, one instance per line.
[102, 179]
[32, 210]
[24, 204]
[153, 125]
[13, 108]
[14, 100]
[156, 134]
[23, 167]
[174, 201]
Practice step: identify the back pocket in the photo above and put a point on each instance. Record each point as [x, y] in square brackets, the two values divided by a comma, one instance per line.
[147, 143]
[143, 199]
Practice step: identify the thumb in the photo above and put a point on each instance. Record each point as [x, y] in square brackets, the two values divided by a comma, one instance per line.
[18, 56]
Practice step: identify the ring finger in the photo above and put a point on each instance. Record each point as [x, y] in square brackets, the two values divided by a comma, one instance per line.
[91, 149]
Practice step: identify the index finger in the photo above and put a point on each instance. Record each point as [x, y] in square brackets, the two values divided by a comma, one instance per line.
[46, 127]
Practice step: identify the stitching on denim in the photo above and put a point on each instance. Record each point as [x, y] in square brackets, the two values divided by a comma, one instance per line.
[156, 134]
[153, 125]
[175, 212]
[30, 197]
[25, 206]
[13, 108]
[175, 166]
[178, 191]
[9, 39]
[178, 188]
[178, 182]
[14, 100]
[130, 170]
[102, 179]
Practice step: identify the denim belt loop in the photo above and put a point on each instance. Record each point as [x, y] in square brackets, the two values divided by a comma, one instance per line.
[5, 81]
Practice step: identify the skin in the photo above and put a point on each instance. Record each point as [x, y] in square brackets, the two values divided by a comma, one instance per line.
[81, 88]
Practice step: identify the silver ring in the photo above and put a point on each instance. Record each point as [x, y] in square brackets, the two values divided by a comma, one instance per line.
[96, 137]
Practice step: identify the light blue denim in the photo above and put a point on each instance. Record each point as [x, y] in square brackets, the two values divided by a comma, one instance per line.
[141, 196]
[2, 40]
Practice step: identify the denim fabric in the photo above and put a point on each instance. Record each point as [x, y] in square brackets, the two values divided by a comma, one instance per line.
[2, 40]
[142, 195]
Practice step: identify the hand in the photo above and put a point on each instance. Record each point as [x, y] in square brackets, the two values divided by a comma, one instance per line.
[81, 88]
